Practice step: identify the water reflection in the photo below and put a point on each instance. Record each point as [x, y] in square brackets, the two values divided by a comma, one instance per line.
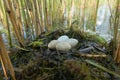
[103, 22]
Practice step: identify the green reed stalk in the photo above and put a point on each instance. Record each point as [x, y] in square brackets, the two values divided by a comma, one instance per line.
[6, 22]
[46, 15]
[83, 13]
[95, 16]
[28, 19]
[37, 21]
[40, 8]
[9, 34]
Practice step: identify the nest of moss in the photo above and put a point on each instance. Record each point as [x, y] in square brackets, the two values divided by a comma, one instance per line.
[38, 62]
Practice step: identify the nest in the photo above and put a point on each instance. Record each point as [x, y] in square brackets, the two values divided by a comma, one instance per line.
[39, 62]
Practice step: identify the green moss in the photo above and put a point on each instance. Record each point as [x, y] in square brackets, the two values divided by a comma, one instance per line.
[100, 39]
[36, 44]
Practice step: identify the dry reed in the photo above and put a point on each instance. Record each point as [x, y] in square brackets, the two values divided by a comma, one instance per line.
[6, 63]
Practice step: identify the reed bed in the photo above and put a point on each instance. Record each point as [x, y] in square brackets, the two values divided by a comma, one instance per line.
[27, 19]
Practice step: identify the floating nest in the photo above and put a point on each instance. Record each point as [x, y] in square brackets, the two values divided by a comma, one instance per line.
[37, 62]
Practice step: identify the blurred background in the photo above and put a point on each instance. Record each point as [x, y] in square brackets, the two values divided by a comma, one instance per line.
[23, 20]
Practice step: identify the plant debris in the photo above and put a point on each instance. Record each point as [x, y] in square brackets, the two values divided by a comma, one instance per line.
[38, 62]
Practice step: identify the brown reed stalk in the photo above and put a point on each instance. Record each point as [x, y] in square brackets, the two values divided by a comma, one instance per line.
[70, 13]
[10, 11]
[41, 15]
[116, 35]
[116, 21]
[45, 6]
[18, 15]
[37, 27]
[5, 22]
[62, 8]
[6, 63]
[38, 16]
[27, 7]
[32, 16]
[49, 2]
[117, 52]
[2, 13]
[3, 66]
[23, 16]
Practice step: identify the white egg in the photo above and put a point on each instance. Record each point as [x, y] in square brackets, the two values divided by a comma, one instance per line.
[63, 38]
[63, 46]
[52, 44]
[73, 42]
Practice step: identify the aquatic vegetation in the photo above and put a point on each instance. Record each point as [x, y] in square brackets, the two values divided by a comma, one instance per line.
[36, 44]
[60, 39]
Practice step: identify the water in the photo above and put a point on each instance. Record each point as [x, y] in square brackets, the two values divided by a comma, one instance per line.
[3, 31]
[103, 22]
